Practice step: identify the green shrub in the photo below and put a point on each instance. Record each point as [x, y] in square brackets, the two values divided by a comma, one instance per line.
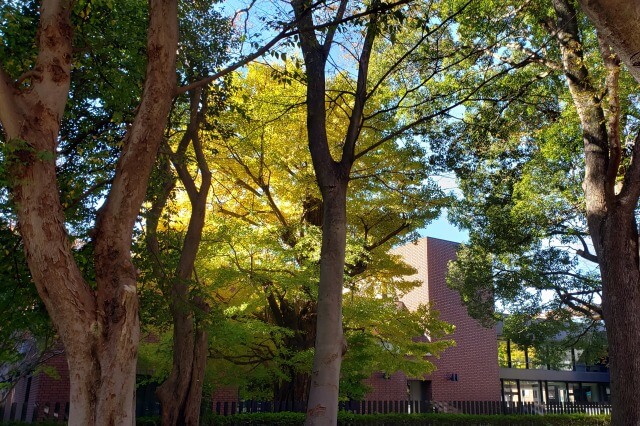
[285, 419]
[349, 419]
[346, 419]
[148, 421]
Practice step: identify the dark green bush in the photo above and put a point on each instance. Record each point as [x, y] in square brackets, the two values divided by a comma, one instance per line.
[285, 419]
[470, 420]
[148, 421]
[348, 419]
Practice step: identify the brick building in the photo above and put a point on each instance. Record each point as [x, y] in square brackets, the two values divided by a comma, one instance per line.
[41, 395]
[466, 372]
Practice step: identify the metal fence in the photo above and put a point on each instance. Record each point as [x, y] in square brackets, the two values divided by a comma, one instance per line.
[33, 413]
[408, 407]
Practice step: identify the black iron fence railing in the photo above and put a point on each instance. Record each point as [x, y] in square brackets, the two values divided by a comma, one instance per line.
[408, 407]
[57, 411]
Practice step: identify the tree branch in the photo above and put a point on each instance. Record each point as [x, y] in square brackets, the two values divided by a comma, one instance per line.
[331, 31]
[630, 192]
[581, 306]
[286, 32]
[237, 216]
[355, 120]
[264, 49]
[426, 118]
[416, 45]
[189, 137]
[612, 66]
[9, 107]
[387, 237]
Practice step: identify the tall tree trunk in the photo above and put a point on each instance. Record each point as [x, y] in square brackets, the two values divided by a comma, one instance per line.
[617, 249]
[180, 394]
[333, 180]
[610, 208]
[301, 319]
[99, 328]
[614, 229]
[322, 406]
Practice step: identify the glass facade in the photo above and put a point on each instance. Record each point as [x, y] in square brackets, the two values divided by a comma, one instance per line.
[550, 392]
[568, 379]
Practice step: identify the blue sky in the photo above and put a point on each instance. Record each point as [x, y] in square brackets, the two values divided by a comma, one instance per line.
[441, 228]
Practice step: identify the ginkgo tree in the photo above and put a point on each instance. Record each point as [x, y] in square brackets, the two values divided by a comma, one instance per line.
[261, 247]
[269, 189]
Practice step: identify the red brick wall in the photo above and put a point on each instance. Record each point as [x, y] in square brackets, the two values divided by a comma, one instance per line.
[49, 389]
[475, 357]
[390, 388]
[416, 256]
[225, 394]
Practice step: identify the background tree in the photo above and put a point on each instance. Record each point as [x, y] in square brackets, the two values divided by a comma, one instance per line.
[204, 40]
[564, 120]
[259, 255]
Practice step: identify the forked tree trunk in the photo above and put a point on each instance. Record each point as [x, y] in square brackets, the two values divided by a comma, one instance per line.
[610, 206]
[333, 180]
[99, 328]
[180, 394]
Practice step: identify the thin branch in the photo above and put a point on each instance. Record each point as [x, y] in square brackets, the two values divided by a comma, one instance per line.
[355, 121]
[387, 237]
[31, 74]
[588, 309]
[432, 31]
[585, 253]
[93, 188]
[94, 129]
[286, 32]
[630, 192]
[428, 117]
[534, 56]
[583, 333]
[264, 49]
[237, 216]
[331, 31]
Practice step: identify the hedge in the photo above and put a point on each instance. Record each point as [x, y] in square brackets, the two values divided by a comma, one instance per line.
[349, 419]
